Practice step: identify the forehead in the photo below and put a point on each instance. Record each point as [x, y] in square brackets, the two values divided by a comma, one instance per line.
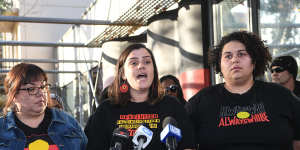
[34, 83]
[233, 46]
[273, 67]
[33, 76]
[139, 53]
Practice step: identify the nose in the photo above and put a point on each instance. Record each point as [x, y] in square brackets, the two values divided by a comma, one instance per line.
[141, 66]
[235, 58]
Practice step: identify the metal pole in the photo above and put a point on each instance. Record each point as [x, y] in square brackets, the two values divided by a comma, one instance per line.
[209, 5]
[45, 44]
[80, 100]
[254, 16]
[64, 21]
[47, 61]
[47, 71]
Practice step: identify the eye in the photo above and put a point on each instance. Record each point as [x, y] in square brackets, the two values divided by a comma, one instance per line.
[147, 62]
[31, 89]
[228, 56]
[134, 63]
[241, 54]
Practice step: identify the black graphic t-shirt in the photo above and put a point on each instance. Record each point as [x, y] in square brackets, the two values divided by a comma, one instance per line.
[263, 118]
[37, 138]
[109, 117]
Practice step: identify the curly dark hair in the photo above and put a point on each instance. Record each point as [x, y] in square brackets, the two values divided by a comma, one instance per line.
[255, 47]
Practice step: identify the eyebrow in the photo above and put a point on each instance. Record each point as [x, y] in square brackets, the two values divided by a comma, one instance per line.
[138, 58]
[28, 83]
[238, 51]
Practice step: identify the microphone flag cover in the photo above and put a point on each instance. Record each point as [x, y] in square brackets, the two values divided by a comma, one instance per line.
[170, 130]
[121, 132]
[142, 131]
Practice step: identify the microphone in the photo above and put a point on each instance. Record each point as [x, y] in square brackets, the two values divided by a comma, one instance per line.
[170, 135]
[120, 139]
[142, 137]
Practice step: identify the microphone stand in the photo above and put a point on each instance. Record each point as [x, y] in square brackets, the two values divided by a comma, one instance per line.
[141, 141]
[173, 143]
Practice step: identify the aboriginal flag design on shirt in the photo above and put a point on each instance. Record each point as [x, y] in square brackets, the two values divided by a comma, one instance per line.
[40, 142]
[37, 138]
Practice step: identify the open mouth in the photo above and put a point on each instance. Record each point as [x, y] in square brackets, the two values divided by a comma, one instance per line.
[142, 76]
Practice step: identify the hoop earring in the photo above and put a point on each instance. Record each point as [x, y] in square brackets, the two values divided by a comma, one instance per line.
[124, 87]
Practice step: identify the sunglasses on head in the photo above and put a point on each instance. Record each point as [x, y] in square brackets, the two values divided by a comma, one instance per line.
[277, 70]
[172, 88]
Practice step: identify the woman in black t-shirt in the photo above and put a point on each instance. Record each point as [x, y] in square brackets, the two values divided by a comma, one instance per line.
[135, 99]
[243, 113]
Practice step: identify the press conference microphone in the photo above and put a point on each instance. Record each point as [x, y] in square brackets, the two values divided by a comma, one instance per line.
[120, 139]
[142, 137]
[170, 135]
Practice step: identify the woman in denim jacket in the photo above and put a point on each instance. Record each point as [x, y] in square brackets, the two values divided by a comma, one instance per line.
[29, 121]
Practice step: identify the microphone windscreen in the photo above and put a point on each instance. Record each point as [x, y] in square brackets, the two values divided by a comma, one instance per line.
[169, 120]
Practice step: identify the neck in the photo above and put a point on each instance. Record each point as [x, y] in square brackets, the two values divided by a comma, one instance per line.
[239, 88]
[139, 95]
[30, 120]
[290, 84]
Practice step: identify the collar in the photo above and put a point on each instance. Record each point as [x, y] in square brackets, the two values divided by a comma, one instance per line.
[57, 116]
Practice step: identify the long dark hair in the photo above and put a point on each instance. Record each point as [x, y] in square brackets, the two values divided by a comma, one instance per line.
[155, 90]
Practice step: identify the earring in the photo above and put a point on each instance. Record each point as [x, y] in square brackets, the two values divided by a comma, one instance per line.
[124, 87]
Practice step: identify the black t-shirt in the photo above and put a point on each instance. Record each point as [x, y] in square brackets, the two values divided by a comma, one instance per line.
[266, 117]
[37, 138]
[109, 117]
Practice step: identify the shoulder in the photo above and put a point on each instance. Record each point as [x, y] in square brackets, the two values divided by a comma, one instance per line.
[7, 120]
[104, 105]
[170, 100]
[207, 92]
[63, 117]
[271, 87]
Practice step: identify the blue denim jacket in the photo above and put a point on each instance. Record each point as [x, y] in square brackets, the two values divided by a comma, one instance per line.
[64, 131]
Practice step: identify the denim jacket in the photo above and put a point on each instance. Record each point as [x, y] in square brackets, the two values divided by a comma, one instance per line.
[64, 131]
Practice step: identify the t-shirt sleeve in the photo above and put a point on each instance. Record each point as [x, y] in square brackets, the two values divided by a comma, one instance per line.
[97, 130]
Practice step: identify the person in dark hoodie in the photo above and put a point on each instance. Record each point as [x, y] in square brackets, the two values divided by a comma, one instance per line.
[284, 71]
